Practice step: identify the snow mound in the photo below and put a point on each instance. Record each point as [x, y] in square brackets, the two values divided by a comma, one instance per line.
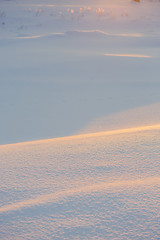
[100, 186]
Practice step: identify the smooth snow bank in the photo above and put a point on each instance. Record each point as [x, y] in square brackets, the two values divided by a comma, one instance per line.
[90, 186]
[55, 85]
[64, 64]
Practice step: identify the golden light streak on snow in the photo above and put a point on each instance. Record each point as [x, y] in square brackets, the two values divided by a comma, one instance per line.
[39, 36]
[29, 37]
[132, 35]
[90, 135]
[87, 189]
[127, 55]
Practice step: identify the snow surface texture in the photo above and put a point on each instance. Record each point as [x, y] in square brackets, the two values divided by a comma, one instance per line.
[89, 70]
[92, 186]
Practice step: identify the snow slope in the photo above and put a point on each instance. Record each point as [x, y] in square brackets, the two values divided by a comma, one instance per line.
[91, 186]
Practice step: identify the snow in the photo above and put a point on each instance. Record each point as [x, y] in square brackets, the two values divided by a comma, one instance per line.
[79, 119]
[100, 186]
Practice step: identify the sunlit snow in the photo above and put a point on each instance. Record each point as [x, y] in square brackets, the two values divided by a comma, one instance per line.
[79, 119]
